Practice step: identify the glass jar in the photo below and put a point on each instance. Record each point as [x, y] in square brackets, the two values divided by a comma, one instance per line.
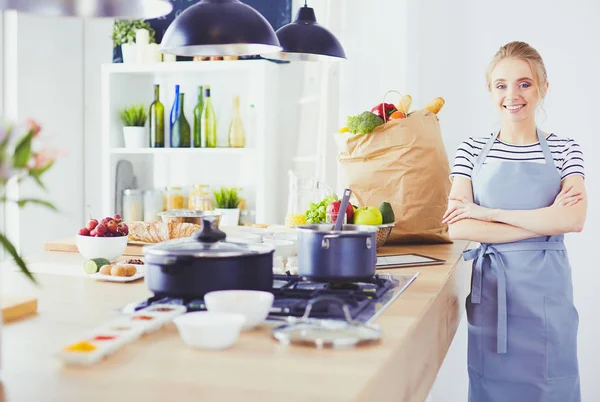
[153, 204]
[174, 198]
[132, 205]
[200, 199]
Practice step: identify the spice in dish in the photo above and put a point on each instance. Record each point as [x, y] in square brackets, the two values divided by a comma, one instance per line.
[162, 309]
[81, 347]
[122, 328]
[143, 317]
[104, 337]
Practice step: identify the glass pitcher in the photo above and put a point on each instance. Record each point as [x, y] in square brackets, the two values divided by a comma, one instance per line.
[302, 192]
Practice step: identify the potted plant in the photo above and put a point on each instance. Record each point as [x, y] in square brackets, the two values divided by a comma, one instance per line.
[227, 202]
[134, 130]
[124, 35]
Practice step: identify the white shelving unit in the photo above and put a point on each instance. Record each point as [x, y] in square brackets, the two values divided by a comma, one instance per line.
[260, 169]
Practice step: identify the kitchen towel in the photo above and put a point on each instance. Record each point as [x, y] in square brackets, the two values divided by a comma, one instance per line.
[402, 162]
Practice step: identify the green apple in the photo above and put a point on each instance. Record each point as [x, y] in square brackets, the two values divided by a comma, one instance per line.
[368, 216]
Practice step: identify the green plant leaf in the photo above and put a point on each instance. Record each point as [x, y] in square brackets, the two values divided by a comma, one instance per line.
[134, 116]
[26, 201]
[13, 252]
[23, 151]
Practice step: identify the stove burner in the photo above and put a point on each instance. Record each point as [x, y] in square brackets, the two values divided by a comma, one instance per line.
[292, 293]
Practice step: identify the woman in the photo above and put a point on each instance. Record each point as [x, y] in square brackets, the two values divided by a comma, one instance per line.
[516, 192]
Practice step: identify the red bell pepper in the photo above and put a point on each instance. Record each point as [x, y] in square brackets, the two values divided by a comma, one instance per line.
[387, 108]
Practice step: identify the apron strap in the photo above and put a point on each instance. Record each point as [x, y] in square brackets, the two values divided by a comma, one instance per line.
[484, 152]
[545, 148]
[494, 251]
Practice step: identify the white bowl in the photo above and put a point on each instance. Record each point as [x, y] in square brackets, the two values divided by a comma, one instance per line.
[254, 305]
[283, 248]
[110, 248]
[262, 232]
[246, 238]
[209, 330]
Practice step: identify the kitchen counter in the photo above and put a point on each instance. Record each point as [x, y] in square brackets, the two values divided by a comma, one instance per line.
[417, 331]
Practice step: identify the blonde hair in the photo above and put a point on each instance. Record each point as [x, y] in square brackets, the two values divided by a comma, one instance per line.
[521, 51]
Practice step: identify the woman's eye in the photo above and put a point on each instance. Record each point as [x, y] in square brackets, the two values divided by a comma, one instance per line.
[500, 86]
[525, 85]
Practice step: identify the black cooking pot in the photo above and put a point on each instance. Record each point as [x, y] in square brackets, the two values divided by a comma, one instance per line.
[205, 262]
[348, 255]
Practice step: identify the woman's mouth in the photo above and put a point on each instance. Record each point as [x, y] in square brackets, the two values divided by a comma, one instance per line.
[513, 108]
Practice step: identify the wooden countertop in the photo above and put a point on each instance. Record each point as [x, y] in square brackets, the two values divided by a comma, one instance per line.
[417, 331]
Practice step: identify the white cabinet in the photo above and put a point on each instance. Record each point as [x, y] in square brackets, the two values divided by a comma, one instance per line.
[272, 132]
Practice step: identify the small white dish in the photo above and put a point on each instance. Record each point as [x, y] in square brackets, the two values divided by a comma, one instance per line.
[111, 278]
[209, 330]
[283, 248]
[254, 305]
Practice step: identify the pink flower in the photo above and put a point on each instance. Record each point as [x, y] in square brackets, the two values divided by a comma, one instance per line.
[33, 127]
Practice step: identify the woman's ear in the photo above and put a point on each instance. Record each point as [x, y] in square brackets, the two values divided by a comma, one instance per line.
[545, 89]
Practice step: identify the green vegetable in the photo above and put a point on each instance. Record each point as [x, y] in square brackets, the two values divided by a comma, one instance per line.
[364, 123]
[387, 213]
[316, 212]
[92, 266]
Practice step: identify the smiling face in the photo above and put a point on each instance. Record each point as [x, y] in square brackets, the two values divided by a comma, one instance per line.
[514, 89]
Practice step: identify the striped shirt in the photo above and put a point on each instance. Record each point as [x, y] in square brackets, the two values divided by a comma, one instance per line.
[567, 155]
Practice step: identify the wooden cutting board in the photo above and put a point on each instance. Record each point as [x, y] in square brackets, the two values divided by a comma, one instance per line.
[14, 307]
[68, 245]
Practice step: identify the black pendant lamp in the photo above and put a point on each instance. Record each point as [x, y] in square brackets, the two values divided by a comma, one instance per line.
[306, 40]
[220, 28]
[130, 9]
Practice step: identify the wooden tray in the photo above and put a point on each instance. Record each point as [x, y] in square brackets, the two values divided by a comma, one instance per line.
[14, 307]
[68, 246]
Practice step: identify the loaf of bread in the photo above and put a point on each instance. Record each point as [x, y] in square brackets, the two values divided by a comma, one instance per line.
[157, 231]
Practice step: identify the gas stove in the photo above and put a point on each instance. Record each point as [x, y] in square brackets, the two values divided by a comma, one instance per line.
[365, 300]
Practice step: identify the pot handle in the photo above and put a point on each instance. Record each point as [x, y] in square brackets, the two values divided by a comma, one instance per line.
[325, 241]
[326, 238]
[208, 234]
[332, 299]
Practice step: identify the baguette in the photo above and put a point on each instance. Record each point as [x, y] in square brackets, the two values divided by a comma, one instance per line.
[157, 231]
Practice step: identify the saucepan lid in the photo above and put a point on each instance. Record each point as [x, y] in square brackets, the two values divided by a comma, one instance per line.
[208, 242]
[327, 333]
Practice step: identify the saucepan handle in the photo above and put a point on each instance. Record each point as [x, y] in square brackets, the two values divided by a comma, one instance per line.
[325, 241]
[331, 299]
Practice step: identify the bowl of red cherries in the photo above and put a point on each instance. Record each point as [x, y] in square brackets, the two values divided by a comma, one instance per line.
[106, 238]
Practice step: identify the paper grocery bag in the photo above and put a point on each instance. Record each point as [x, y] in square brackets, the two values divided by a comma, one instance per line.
[402, 162]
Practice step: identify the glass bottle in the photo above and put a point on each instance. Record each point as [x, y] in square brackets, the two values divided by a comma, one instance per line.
[153, 204]
[237, 135]
[209, 121]
[180, 134]
[174, 108]
[133, 205]
[198, 118]
[156, 121]
[200, 199]
[174, 198]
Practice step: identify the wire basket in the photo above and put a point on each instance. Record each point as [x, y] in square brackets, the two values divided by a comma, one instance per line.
[383, 234]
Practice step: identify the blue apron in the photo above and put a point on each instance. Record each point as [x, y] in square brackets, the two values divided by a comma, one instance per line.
[522, 342]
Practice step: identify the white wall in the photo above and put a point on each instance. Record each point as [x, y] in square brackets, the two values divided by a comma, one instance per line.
[443, 49]
[44, 77]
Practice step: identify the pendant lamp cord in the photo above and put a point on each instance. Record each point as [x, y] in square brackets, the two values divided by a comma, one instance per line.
[305, 5]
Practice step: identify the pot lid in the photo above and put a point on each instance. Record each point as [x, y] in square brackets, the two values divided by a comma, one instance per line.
[327, 333]
[208, 242]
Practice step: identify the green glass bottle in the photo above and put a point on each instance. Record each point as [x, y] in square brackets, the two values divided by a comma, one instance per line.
[180, 133]
[156, 121]
[198, 118]
[209, 121]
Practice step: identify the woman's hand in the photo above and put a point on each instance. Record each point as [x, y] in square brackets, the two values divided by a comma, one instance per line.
[462, 208]
[567, 197]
